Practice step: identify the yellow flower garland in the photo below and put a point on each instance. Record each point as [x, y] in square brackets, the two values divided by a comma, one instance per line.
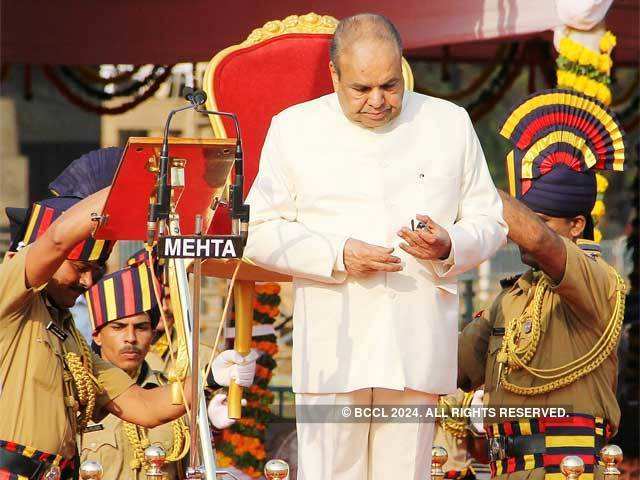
[584, 65]
[607, 42]
[580, 54]
[587, 71]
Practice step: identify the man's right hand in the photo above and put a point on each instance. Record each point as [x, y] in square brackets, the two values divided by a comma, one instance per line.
[362, 259]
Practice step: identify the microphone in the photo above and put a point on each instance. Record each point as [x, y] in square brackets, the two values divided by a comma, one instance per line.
[239, 209]
[195, 97]
[159, 209]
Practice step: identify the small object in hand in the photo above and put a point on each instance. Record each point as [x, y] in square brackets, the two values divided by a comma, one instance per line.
[417, 226]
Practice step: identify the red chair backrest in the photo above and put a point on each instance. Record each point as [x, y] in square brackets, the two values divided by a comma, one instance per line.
[261, 80]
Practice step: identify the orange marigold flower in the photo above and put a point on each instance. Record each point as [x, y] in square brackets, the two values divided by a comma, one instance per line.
[268, 289]
[223, 460]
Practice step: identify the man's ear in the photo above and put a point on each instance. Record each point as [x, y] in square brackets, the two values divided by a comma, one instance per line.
[578, 225]
[96, 338]
[335, 76]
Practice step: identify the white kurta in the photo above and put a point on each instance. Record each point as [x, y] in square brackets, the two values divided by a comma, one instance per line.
[323, 179]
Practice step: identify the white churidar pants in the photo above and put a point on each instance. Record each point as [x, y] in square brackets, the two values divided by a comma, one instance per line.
[388, 450]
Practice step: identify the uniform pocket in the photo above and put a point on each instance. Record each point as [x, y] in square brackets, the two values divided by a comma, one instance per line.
[162, 435]
[100, 439]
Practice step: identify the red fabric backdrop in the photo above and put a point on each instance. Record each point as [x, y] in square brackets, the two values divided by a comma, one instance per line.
[70, 32]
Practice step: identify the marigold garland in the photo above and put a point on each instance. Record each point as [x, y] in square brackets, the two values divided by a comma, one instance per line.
[242, 444]
[582, 69]
[588, 72]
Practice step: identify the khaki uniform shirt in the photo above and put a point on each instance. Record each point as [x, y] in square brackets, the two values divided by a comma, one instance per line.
[106, 442]
[574, 315]
[32, 392]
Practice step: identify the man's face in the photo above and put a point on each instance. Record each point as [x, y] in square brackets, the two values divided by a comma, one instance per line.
[72, 279]
[570, 228]
[370, 84]
[125, 342]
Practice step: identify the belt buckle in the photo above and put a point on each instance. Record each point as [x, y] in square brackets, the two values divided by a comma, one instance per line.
[497, 448]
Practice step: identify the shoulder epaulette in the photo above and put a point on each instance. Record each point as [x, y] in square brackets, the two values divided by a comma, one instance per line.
[589, 247]
[509, 281]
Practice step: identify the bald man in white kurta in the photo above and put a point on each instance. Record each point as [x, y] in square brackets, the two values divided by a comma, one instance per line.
[389, 337]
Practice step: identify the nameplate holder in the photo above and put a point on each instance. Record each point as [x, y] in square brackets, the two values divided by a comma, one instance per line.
[205, 246]
[57, 331]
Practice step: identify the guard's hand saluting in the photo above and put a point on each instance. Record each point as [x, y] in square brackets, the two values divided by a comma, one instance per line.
[427, 242]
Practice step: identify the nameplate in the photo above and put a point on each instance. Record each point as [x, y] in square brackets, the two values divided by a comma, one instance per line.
[206, 246]
[57, 331]
[94, 428]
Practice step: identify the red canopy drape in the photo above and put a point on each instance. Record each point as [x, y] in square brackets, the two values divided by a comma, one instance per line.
[74, 32]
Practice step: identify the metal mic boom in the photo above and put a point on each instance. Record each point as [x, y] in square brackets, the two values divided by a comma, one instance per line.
[239, 209]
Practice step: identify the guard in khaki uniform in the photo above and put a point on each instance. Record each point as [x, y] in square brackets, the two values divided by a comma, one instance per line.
[550, 337]
[43, 358]
[124, 313]
[51, 384]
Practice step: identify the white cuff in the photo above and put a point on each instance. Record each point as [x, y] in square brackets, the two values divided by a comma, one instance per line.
[443, 267]
[338, 266]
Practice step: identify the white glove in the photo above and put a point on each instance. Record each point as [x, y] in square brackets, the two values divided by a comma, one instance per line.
[477, 402]
[231, 365]
[218, 411]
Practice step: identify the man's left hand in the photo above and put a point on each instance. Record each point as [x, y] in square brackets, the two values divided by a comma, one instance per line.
[429, 243]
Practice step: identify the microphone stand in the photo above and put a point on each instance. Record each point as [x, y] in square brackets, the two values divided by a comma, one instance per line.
[160, 216]
[159, 213]
[239, 209]
[159, 209]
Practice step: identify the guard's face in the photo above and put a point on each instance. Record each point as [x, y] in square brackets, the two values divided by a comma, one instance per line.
[72, 279]
[370, 85]
[570, 228]
[125, 342]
